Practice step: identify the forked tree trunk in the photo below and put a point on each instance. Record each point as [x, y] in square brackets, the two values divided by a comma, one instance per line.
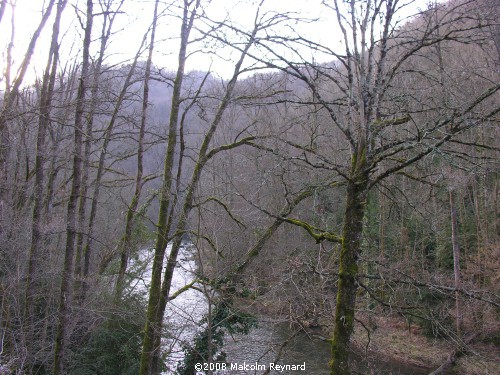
[188, 202]
[153, 326]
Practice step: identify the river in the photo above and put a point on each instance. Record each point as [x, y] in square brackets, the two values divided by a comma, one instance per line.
[252, 353]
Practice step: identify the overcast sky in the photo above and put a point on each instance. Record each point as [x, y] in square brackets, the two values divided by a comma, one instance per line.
[131, 25]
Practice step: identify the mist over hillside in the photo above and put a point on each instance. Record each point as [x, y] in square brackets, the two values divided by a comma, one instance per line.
[353, 201]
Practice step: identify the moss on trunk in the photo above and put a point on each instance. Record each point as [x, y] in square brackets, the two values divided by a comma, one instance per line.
[348, 268]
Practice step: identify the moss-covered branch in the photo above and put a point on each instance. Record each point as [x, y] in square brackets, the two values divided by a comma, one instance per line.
[318, 234]
[185, 288]
[229, 146]
[259, 245]
[393, 121]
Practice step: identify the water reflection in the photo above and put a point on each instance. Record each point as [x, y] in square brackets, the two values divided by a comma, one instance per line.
[265, 343]
[262, 346]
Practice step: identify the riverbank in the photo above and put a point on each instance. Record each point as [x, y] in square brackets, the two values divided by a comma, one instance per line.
[392, 345]
[391, 339]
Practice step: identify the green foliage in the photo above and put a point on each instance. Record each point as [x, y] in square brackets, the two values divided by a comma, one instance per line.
[444, 256]
[436, 327]
[141, 234]
[493, 339]
[247, 293]
[444, 252]
[113, 348]
[437, 321]
[209, 342]
[430, 250]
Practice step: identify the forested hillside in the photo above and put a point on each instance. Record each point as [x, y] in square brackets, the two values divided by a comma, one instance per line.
[347, 185]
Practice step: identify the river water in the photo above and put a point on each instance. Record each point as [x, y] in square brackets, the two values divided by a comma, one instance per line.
[253, 353]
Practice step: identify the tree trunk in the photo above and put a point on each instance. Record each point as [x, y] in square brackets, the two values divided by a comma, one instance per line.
[125, 251]
[57, 136]
[67, 273]
[11, 93]
[88, 250]
[352, 232]
[456, 263]
[82, 205]
[49, 78]
[153, 326]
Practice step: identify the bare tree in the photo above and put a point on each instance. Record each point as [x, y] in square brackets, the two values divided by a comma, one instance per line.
[10, 97]
[71, 229]
[153, 322]
[205, 152]
[47, 93]
[131, 210]
[109, 16]
[369, 105]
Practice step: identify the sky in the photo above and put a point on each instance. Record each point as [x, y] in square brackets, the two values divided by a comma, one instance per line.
[135, 19]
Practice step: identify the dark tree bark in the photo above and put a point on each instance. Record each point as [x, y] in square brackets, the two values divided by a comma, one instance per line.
[89, 245]
[68, 268]
[11, 94]
[47, 92]
[153, 325]
[352, 232]
[203, 156]
[56, 136]
[107, 26]
[131, 210]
